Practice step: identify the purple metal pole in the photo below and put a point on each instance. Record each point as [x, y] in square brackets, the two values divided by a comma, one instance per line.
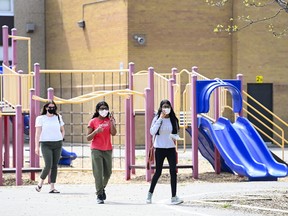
[132, 117]
[19, 103]
[37, 103]
[37, 86]
[240, 77]
[151, 82]
[148, 119]
[6, 118]
[5, 45]
[13, 120]
[32, 130]
[216, 116]
[194, 127]
[6, 142]
[171, 92]
[50, 93]
[14, 49]
[149, 113]
[127, 140]
[195, 69]
[37, 79]
[1, 151]
[174, 72]
[19, 145]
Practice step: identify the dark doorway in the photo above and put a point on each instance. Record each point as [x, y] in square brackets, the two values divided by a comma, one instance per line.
[8, 21]
[263, 93]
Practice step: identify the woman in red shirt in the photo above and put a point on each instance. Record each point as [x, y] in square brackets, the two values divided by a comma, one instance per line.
[100, 129]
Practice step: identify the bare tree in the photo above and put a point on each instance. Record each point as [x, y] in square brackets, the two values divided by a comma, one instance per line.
[247, 20]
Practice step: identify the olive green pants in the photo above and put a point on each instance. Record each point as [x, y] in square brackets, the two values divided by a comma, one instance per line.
[51, 152]
[102, 168]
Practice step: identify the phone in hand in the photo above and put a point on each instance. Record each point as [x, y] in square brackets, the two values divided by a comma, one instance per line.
[175, 136]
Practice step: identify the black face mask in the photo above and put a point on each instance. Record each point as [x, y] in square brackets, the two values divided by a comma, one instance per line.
[51, 110]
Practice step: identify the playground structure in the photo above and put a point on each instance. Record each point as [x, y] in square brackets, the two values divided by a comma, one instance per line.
[239, 143]
[143, 92]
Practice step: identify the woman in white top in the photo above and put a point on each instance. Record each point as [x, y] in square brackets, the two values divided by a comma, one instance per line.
[164, 129]
[49, 133]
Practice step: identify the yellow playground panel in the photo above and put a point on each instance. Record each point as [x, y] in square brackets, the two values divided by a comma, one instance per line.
[15, 89]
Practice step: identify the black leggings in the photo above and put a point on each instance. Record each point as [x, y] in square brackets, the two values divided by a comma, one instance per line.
[160, 155]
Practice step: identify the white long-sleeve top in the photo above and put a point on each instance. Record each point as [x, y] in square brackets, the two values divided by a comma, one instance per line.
[163, 140]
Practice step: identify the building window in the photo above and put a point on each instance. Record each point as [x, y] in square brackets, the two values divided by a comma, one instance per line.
[6, 8]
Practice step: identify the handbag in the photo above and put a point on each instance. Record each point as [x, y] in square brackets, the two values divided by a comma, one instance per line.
[151, 155]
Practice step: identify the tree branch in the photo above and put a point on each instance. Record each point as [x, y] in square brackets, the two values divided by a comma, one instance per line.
[283, 4]
[260, 20]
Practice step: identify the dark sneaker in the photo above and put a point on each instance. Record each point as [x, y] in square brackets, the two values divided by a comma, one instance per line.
[100, 199]
[104, 195]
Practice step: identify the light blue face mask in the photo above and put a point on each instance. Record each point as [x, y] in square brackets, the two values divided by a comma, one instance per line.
[166, 110]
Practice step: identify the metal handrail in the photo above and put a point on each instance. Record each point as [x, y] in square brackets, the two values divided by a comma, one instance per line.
[281, 136]
[267, 110]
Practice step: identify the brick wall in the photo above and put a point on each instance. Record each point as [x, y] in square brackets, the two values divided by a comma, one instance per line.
[101, 45]
[178, 34]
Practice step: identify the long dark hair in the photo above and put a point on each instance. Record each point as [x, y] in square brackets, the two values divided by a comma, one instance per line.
[44, 110]
[101, 103]
[174, 120]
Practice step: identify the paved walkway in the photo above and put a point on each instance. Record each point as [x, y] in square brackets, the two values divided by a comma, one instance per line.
[128, 199]
[125, 199]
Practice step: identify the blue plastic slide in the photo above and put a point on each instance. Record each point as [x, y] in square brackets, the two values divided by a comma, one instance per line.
[206, 148]
[255, 144]
[243, 149]
[67, 157]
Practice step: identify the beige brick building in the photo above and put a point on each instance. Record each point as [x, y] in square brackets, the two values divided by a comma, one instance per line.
[177, 34]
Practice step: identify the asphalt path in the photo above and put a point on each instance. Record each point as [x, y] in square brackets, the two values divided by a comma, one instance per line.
[127, 199]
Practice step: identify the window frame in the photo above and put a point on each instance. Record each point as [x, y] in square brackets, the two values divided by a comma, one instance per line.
[8, 13]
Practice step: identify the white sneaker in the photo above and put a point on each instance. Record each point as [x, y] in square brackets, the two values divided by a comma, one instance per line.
[149, 198]
[176, 200]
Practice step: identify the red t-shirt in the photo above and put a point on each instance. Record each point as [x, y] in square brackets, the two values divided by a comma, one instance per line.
[101, 141]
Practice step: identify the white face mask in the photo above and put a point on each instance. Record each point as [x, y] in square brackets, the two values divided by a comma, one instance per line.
[166, 110]
[103, 113]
